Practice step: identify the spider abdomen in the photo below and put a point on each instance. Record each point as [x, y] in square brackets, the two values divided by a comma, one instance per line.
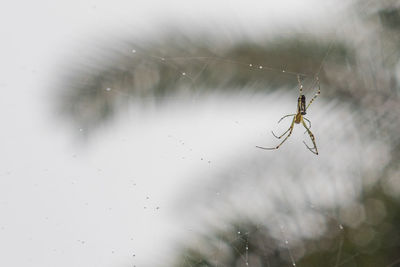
[301, 105]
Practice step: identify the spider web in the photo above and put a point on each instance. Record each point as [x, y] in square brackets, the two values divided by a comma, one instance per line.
[241, 240]
[242, 237]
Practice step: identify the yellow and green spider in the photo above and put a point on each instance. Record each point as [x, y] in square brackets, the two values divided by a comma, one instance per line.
[299, 118]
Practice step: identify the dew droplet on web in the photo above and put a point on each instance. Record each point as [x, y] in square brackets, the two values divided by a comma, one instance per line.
[183, 73]
[250, 65]
[260, 67]
[108, 89]
[283, 71]
[341, 227]
[133, 51]
[238, 232]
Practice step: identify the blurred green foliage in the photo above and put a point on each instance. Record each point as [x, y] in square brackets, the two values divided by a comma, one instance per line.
[375, 242]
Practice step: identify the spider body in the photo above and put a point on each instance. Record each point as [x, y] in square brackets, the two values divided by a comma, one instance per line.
[298, 118]
[301, 109]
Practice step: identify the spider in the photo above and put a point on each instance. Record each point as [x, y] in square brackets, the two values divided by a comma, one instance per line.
[299, 118]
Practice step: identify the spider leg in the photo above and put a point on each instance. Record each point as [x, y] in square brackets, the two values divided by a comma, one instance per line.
[279, 137]
[316, 94]
[312, 139]
[309, 123]
[285, 117]
[290, 132]
[310, 148]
